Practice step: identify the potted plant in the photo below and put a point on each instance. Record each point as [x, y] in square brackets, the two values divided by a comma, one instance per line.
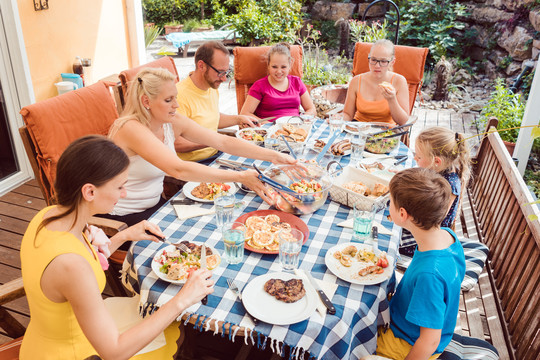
[508, 108]
[194, 25]
[173, 26]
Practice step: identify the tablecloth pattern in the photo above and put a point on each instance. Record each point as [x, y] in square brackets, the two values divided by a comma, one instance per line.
[349, 334]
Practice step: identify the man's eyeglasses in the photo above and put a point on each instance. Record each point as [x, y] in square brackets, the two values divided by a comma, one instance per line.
[382, 63]
[223, 73]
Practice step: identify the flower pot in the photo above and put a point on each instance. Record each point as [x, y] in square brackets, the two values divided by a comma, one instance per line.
[149, 25]
[510, 146]
[203, 28]
[173, 28]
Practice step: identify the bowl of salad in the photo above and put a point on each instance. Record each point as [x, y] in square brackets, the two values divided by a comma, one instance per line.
[381, 143]
[309, 189]
[255, 135]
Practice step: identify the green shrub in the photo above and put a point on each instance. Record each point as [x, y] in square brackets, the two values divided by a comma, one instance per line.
[432, 24]
[162, 12]
[329, 33]
[507, 107]
[260, 21]
[319, 68]
[362, 32]
[150, 34]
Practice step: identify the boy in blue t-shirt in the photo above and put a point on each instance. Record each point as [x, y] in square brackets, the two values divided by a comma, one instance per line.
[424, 308]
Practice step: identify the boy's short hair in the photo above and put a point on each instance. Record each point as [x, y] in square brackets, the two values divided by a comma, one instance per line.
[423, 193]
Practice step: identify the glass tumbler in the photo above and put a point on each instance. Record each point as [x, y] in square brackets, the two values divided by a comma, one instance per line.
[290, 245]
[233, 235]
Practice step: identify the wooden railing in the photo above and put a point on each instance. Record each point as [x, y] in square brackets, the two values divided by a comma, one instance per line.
[508, 223]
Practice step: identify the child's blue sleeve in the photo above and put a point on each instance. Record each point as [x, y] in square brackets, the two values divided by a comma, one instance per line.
[427, 307]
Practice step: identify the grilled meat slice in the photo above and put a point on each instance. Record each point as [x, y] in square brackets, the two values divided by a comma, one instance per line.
[287, 291]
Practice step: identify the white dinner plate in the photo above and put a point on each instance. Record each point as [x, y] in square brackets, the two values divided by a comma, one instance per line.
[163, 276]
[267, 308]
[189, 186]
[350, 274]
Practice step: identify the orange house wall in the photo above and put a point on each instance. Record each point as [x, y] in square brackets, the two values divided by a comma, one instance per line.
[94, 29]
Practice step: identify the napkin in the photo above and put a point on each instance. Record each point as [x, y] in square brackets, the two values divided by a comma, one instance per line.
[349, 224]
[125, 312]
[327, 287]
[184, 212]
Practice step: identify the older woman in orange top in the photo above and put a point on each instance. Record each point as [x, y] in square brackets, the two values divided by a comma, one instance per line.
[379, 95]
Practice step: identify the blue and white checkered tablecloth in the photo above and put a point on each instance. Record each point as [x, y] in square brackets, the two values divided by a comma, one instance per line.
[349, 334]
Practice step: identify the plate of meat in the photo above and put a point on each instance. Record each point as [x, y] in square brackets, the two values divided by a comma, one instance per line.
[205, 192]
[359, 263]
[339, 148]
[280, 298]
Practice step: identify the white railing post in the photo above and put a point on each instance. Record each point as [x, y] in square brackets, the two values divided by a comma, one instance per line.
[531, 117]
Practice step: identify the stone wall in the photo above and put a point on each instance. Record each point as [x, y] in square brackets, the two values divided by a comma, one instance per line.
[504, 29]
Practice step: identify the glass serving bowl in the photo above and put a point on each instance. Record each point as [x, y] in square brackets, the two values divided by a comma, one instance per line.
[376, 144]
[299, 203]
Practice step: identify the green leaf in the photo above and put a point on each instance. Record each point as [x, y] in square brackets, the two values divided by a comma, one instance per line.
[533, 217]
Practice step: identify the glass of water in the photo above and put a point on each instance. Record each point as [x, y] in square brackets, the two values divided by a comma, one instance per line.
[363, 221]
[233, 234]
[335, 122]
[224, 204]
[358, 143]
[290, 245]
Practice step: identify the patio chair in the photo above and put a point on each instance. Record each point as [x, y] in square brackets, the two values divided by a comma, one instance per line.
[250, 66]
[410, 62]
[126, 76]
[9, 292]
[51, 125]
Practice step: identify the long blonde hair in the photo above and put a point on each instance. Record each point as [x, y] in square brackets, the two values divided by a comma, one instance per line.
[149, 82]
[450, 147]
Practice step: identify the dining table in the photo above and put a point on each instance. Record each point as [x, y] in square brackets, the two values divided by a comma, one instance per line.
[349, 334]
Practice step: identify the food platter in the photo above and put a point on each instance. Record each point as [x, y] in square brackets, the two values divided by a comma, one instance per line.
[253, 135]
[156, 265]
[267, 308]
[189, 186]
[336, 144]
[350, 274]
[294, 221]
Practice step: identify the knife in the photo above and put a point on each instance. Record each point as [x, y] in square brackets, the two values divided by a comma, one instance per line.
[182, 202]
[326, 301]
[375, 234]
[204, 300]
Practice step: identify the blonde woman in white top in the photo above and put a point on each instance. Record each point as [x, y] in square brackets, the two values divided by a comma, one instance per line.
[143, 131]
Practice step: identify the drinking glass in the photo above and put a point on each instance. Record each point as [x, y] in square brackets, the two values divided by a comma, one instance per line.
[233, 234]
[224, 205]
[290, 245]
[335, 122]
[363, 221]
[358, 143]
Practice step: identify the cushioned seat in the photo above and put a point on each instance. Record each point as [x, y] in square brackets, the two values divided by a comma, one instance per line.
[250, 66]
[468, 348]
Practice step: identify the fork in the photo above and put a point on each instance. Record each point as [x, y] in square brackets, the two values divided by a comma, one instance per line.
[234, 288]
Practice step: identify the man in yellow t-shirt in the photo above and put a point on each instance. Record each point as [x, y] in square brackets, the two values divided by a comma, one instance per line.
[198, 99]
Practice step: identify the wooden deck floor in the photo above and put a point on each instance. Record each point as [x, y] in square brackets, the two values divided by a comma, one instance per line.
[19, 206]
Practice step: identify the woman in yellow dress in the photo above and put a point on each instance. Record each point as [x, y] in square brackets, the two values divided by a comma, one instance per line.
[62, 275]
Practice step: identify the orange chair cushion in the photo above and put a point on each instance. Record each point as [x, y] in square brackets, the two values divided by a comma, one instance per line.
[410, 62]
[250, 66]
[11, 349]
[54, 123]
[165, 62]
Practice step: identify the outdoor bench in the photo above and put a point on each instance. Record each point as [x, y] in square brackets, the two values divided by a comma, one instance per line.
[503, 308]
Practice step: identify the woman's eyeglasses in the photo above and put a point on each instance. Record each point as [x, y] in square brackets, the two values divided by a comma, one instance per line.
[224, 73]
[382, 63]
